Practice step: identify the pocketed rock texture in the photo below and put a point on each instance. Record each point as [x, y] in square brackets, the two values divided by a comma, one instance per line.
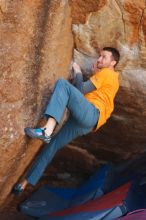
[121, 24]
[37, 48]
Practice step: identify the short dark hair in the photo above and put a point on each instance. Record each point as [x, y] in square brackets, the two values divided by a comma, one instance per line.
[115, 53]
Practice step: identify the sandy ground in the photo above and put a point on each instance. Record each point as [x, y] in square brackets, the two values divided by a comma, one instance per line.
[16, 216]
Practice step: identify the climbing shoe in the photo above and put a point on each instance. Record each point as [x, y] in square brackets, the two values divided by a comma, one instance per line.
[37, 133]
[18, 189]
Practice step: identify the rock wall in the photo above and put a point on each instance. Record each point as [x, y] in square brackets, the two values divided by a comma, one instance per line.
[37, 42]
[121, 24]
[37, 47]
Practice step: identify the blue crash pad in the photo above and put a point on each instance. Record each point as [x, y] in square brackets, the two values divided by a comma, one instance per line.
[48, 199]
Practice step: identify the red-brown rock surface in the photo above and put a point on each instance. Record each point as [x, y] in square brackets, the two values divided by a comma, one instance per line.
[36, 48]
[120, 24]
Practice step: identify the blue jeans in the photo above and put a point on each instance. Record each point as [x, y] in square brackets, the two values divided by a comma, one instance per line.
[82, 119]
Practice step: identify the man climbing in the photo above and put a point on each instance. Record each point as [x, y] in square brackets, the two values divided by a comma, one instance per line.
[90, 104]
